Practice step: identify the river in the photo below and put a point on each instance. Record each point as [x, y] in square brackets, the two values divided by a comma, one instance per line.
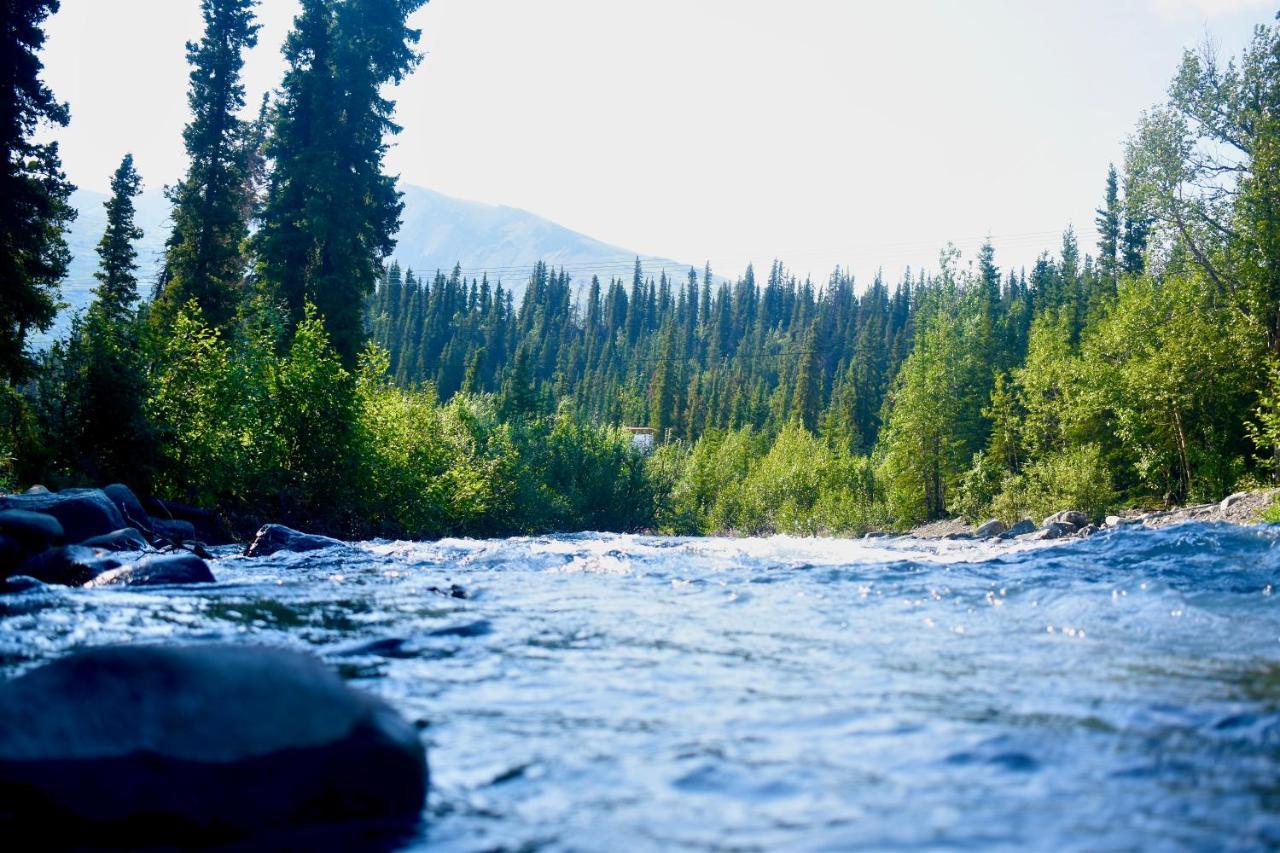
[605, 692]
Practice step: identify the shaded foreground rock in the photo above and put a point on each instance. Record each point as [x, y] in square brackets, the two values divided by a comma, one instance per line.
[128, 539]
[271, 538]
[160, 570]
[66, 565]
[83, 513]
[187, 745]
[33, 530]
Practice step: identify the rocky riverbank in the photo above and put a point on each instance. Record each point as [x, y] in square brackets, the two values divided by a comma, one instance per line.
[1240, 508]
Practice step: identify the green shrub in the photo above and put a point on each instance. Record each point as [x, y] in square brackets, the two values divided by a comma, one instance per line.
[1076, 478]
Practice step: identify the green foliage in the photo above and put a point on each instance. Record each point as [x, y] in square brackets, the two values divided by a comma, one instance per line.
[1173, 370]
[1264, 429]
[204, 257]
[1076, 478]
[331, 214]
[935, 423]
[34, 193]
[742, 481]
[117, 288]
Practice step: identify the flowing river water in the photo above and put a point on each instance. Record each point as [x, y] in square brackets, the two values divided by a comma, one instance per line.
[604, 692]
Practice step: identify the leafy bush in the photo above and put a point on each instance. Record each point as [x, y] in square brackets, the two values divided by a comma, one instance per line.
[1076, 478]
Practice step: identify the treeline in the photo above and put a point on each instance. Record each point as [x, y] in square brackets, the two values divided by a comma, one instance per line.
[283, 371]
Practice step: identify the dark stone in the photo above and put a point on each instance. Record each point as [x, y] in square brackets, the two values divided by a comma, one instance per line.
[82, 512]
[992, 528]
[160, 570]
[1022, 528]
[67, 565]
[141, 745]
[173, 529]
[129, 505]
[34, 530]
[467, 629]
[198, 548]
[1056, 530]
[276, 537]
[127, 539]
[208, 526]
[454, 591]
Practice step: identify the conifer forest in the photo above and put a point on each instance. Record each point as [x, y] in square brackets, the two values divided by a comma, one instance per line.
[281, 367]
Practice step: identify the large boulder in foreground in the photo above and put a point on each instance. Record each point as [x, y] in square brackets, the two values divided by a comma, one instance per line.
[83, 513]
[271, 538]
[198, 745]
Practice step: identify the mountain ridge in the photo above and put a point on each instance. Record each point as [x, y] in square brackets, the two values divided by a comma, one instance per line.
[437, 233]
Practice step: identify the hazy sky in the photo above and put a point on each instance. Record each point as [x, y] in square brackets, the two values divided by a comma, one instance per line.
[816, 131]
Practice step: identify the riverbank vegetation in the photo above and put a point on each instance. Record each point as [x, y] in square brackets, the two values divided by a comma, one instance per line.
[282, 370]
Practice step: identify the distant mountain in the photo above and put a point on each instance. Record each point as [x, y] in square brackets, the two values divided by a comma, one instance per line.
[438, 232]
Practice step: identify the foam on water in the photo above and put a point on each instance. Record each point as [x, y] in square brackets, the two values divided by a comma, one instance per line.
[629, 692]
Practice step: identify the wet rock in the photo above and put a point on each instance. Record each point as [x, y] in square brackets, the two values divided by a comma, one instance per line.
[198, 548]
[1057, 530]
[66, 565]
[1022, 528]
[992, 528]
[135, 515]
[173, 529]
[479, 628]
[18, 584]
[1087, 531]
[81, 512]
[276, 537]
[160, 570]
[1070, 517]
[37, 489]
[130, 746]
[454, 591]
[34, 530]
[127, 539]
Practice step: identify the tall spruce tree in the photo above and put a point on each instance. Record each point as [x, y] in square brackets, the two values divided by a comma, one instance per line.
[204, 257]
[1108, 222]
[117, 288]
[34, 193]
[331, 214]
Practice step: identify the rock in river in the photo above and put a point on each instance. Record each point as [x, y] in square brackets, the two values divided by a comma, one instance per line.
[160, 570]
[128, 539]
[66, 565]
[197, 744]
[81, 512]
[271, 538]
